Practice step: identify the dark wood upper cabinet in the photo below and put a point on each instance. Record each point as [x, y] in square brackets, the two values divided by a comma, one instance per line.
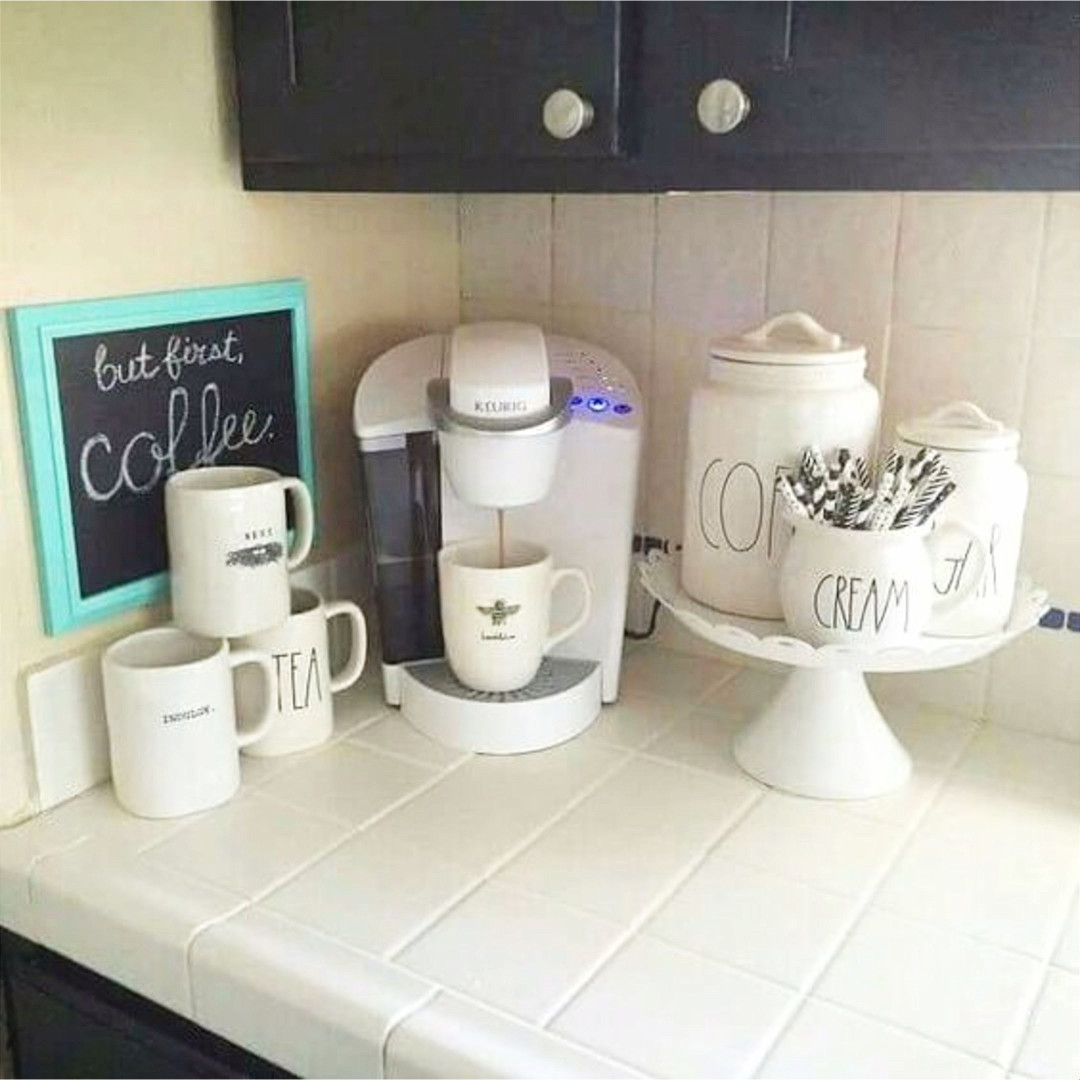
[340, 81]
[848, 95]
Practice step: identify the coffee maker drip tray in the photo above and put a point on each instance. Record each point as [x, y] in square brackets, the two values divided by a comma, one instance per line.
[561, 702]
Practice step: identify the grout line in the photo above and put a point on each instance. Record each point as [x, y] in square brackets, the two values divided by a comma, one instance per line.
[459, 244]
[291, 762]
[887, 338]
[1029, 346]
[551, 253]
[323, 852]
[399, 1018]
[645, 458]
[555, 1036]
[660, 898]
[1022, 1025]
[645, 754]
[491, 869]
[860, 908]
[182, 823]
[770, 221]
[196, 931]
[356, 830]
[356, 742]
[893, 1025]
[900, 219]
[1063, 930]
[966, 935]
[41, 856]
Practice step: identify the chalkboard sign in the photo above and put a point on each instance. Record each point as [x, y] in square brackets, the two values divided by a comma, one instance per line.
[116, 395]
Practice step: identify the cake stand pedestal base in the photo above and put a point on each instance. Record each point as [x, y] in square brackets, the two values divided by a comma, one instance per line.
[822, 735]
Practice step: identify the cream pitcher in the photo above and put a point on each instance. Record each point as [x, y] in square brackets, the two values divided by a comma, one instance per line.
[991, 494]
[769, 394]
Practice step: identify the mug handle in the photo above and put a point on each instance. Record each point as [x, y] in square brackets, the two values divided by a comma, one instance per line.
[586, 608]
[944, 604]
[305, 520]
[266, 718]
[358, 638]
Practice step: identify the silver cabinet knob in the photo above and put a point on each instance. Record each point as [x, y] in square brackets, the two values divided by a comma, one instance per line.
[566, 114]
[722, 106]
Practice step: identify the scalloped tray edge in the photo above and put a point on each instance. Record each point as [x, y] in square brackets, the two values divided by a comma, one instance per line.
[769, 640]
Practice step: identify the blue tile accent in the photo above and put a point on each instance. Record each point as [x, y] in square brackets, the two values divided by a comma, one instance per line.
[1074, 621]
[1054, 619]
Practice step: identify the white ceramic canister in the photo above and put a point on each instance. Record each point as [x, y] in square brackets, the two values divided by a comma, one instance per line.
[990, 496]
[769, 394]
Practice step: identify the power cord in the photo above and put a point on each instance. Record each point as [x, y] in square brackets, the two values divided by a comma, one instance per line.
[633, 635]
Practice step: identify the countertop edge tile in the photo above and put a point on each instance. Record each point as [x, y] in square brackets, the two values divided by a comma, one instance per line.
[451, 1036]
[125, 918]
[308, 1002]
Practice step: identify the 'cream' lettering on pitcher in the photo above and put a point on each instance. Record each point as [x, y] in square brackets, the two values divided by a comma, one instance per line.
[849, 603]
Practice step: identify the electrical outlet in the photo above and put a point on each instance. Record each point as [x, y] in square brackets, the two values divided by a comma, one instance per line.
[639, 604]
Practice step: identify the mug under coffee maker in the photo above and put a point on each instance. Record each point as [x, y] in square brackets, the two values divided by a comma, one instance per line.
[495, 601]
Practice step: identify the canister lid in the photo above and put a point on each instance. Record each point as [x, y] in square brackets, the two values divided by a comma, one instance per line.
[793, 338]
[959, 426]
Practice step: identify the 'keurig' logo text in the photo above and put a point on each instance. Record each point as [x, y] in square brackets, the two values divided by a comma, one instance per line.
[499, 405]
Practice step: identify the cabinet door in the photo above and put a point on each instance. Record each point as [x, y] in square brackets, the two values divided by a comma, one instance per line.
[437, 81]
[67, 1021]
[870, 94]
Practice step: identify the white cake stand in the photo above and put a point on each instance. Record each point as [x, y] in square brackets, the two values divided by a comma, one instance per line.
[822, 734]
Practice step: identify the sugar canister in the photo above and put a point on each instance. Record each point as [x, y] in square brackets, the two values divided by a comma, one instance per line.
[769, 393]
[990, 497]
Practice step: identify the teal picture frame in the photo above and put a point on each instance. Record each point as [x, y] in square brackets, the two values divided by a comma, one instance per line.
[33, 330]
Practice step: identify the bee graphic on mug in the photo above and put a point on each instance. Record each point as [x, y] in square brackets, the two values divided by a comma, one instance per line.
[499, 612]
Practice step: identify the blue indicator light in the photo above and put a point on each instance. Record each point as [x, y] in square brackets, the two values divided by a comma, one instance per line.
[598, 404]
[622, 409]
[576, 400]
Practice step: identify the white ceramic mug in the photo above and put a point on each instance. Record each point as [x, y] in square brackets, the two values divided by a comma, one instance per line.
[228, 559]
[299, 650]
[496, 620]
[169, 704]
[865, 587]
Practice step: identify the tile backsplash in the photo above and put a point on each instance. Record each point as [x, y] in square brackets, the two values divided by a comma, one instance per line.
[957, 295]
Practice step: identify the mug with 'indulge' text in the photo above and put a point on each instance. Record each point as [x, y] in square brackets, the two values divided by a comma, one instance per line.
[170, 709]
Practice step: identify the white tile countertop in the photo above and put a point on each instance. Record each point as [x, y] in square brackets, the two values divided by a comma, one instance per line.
[630, 903]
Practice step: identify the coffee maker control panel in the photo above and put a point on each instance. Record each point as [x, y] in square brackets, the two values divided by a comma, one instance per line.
[604, 391]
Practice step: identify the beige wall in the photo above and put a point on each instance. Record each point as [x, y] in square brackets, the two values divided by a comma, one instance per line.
[967, 295]
[119, 174]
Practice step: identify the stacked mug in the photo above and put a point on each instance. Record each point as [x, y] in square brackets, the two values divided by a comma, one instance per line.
[170, 698]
